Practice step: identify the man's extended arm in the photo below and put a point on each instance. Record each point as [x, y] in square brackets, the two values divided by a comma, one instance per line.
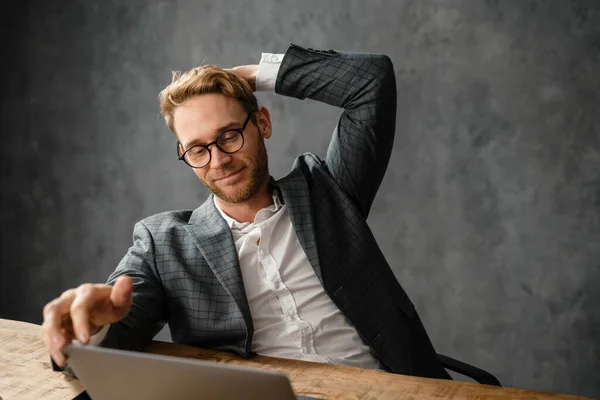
[138, 323]
[147, 315]
[364, 85]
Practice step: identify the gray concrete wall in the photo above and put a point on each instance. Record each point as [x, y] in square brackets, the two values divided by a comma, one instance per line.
[489, 213]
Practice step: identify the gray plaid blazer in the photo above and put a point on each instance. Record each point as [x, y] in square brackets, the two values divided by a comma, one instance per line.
[185, 266]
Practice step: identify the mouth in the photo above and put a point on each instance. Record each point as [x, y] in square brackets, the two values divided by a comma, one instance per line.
[230, 176]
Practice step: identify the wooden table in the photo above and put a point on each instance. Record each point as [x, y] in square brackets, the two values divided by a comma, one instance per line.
[25, 373]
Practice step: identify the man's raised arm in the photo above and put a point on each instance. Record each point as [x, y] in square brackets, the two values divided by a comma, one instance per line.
[365, 86]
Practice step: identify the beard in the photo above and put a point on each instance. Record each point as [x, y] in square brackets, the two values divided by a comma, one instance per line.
[247, 188]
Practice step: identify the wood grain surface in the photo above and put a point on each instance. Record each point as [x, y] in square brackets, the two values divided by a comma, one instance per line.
[25, 373]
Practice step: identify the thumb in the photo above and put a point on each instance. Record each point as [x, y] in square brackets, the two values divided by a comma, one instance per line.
[120, 295]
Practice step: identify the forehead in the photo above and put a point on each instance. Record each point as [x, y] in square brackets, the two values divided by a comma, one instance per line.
[201, 118]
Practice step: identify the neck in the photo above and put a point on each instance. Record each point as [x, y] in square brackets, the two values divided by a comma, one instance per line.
[247, 210]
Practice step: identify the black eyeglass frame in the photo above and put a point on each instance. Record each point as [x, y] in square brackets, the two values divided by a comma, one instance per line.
[181, 156]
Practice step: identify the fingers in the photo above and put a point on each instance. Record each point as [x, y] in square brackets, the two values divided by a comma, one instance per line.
[78, 313]
[99, 305]
[55, 337]
[246, 72]
[90, 299]
[120, 296]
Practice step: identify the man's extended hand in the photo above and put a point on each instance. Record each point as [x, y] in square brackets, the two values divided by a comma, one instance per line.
[247, 72]
[81, 312]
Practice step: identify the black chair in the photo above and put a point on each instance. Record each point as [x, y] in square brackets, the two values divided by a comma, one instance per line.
[472, 372]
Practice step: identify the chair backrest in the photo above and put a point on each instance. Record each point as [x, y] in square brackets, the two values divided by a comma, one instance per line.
[472, 372]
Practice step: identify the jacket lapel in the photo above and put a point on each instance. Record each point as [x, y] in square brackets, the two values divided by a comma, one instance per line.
[213, 237]
[296, 196]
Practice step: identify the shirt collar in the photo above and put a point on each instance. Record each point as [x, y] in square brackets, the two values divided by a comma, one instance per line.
[233, 224]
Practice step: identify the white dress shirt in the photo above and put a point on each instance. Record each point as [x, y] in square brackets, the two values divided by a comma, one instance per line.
[292, 315]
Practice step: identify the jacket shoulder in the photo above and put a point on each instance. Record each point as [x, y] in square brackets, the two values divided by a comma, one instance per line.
[312, 167]
[166, 221]
[307, 163]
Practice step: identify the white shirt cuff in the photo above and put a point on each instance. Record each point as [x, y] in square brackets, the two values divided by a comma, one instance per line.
[267, 72]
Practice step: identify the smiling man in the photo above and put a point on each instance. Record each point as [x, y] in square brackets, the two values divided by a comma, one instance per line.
[286, 268]
[222, 115]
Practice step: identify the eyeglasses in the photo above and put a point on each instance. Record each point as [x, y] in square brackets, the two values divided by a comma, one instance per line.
[228, 142]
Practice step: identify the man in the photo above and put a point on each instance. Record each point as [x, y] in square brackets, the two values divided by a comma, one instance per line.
[285, 268]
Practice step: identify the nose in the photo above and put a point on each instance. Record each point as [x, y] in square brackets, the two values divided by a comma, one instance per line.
[218, 159]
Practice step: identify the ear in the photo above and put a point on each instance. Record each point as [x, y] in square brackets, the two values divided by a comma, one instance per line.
[263, 121]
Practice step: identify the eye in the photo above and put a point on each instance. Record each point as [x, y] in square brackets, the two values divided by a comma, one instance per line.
[228, 136]
[197, 151]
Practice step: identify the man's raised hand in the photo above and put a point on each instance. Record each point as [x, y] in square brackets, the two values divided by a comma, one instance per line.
[247, 72]
[79, 313]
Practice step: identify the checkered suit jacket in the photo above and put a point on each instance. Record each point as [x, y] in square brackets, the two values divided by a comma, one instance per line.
[185, 266]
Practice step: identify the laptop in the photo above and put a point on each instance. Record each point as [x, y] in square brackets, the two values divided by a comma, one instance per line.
[109, 374]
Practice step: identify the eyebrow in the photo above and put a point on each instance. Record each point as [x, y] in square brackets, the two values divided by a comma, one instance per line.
[220, 130]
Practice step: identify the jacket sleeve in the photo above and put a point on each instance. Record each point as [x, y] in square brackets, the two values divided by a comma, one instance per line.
[147, 315]
[363, 85]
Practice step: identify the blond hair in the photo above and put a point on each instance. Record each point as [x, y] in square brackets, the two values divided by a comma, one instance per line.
[203, 80]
